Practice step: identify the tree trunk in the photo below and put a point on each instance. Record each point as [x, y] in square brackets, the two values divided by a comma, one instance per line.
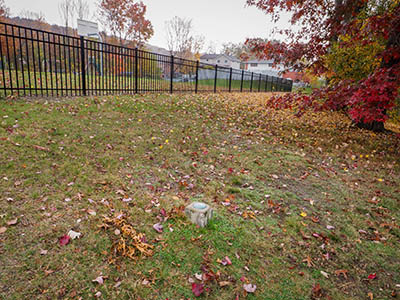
[373, 126]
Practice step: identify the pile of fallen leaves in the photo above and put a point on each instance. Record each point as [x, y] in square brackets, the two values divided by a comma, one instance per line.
[129, 243]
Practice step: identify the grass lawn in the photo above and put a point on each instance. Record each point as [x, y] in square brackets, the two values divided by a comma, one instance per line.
[69, 84]
[304, 208]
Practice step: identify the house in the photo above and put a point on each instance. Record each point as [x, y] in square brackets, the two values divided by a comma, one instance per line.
[222, 60]
[263, 66]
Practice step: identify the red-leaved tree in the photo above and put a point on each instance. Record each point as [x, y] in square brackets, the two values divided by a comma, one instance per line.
[318, 25]
[126, 20]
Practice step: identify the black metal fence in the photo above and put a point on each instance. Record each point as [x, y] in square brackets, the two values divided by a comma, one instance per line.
[40, 63]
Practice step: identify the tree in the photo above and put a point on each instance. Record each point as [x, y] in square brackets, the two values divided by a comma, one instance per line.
[322, 26]
[181, 40]
[4, 10]
[66, 9]
[236, 50]
[126, 20]
[31, 15]
[81, 9]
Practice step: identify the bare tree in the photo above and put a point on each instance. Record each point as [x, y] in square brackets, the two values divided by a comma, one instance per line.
[31, 15]
[212, 47]
[82, 9]
[66, 9]
[180, 38]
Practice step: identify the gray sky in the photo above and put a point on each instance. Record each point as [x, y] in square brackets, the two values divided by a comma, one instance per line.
[220, 21]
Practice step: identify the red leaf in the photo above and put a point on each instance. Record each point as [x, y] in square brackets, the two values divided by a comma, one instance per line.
[226, 261]
[64, 240]
[163, 212]
[197, 289]
[372, 276]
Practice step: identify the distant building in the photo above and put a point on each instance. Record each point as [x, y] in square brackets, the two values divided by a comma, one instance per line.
[222, 60]
[263, 66]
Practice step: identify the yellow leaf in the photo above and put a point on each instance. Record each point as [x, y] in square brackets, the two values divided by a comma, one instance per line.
[303, 214]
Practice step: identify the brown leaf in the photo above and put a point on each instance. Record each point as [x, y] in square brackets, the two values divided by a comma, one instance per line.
[308, 261]
[341, 272]
[224, 283]
[41, 148]
[12, 222]
[3, 229]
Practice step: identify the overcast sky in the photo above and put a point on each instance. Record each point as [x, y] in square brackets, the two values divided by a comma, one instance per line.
[220, 21]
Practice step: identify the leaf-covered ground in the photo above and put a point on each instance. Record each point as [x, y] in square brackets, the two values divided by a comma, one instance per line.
[304, 208]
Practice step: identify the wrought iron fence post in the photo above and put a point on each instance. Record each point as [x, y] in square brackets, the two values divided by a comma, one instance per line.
[241, 82]
[230, 80]
[215, 79]
[251, 82]
[171, 87]
[266, 83]
[136, 70]
[83, 76]
[197, 77]
[291, 86]
[259, 83]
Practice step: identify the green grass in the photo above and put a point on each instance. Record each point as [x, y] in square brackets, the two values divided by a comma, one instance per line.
[174, 149]
[68, 83]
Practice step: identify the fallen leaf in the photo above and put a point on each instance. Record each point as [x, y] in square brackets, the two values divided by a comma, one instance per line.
[41, 148]
[98, 295]
[225, 261]
[372, 276]
[341, 272]
[250, 288]
[198, 276]
[317, 291]
[99, 280]
[224, 283]
[303, 214]
[158, 227]
[74, 235]
[43, 252]
[371, 296]
[163, 212]
[91, 212]
[64, 240]
[326, 275]
[12, 222]
[3, 229]
[197, 289]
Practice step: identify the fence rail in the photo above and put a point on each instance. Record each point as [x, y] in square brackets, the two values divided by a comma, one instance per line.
[40, 63]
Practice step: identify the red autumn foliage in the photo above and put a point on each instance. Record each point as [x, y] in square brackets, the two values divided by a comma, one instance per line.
[319, 24]
[126, 20]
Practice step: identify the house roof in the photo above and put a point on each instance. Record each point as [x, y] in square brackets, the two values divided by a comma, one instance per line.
[262, 61]
[215, 56]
